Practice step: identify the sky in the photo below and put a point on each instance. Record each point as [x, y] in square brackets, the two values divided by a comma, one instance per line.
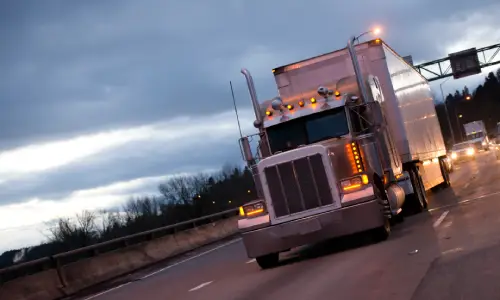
[102, 100]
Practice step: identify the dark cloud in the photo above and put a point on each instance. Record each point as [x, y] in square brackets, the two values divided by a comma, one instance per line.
[77, 67]
[124, 164]
[73, 68]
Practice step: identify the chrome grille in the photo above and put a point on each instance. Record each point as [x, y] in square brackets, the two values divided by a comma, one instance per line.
[298, 185]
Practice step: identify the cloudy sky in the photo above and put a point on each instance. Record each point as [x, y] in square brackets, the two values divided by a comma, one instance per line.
[104, 99]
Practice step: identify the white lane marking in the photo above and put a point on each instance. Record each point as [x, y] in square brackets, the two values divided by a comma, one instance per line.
[458, 249]
[441, 218]
[191, 258]
[163, 269]
[464, 201]
[466, 185]
[250, 261]
[107, 291]
[200, 286]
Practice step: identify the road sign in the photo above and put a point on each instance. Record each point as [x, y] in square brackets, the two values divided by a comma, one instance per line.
[464, 63]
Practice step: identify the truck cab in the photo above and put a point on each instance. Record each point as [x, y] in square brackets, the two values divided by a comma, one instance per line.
[476, 134]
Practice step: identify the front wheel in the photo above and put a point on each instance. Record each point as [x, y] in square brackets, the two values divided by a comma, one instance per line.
[382, 233]
[444, 172]
[268, 261]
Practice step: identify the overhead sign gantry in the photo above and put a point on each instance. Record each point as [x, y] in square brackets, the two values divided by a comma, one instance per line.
[460, 64]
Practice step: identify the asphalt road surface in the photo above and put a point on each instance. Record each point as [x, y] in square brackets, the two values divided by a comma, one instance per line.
[450, 252]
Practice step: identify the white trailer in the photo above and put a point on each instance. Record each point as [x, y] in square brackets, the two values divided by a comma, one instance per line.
[407, 99]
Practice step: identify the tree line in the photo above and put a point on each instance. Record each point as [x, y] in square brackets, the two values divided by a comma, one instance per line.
[180, 198]
[483, 103]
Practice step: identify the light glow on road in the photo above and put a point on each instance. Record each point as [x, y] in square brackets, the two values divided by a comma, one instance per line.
[200, 286]
[251, 261]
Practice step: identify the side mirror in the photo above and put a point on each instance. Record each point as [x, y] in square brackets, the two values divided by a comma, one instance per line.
[246, 150]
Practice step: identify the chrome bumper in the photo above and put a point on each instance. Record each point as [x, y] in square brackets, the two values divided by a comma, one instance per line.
[284, 236]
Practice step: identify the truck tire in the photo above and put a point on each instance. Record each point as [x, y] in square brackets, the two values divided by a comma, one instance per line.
[445, 174]
[268, 261]
[382, 233]
[417, 202]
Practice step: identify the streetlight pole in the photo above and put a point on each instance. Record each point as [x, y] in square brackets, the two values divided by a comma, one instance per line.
[374, 31]
[446, 110]
[459, 127]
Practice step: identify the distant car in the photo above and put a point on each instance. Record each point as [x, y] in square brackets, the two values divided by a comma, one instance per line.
[463, 152]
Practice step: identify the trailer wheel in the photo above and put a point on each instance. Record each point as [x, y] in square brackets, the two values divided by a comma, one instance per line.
[417, 202]
[445, 174]
[268, 261]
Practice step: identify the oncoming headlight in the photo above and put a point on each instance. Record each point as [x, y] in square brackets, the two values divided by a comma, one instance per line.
[253, 209]
[470, 151]
[454, 155]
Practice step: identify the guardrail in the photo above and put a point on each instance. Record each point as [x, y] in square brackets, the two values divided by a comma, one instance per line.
[58, 260]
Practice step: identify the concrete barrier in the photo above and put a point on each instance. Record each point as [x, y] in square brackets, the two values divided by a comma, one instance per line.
[40, 286]
[88, 272]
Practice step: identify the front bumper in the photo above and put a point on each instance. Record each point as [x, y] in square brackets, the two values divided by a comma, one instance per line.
[284, 236]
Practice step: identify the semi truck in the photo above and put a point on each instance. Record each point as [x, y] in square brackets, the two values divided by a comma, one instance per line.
[476, 134]
[351, 140]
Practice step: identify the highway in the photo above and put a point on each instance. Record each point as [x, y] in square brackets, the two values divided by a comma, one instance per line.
[450, 252]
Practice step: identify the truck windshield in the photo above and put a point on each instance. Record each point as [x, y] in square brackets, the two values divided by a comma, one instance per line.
[307, 130]
[475, 135]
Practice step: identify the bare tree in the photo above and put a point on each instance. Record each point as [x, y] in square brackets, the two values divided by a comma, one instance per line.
[112, 224]
[179, 189]
[75, 234]
[141, 207]
[86, 223]
[63, 230]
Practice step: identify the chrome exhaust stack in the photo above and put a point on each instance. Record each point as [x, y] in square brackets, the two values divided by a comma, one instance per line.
[357, 70]
[253, 96]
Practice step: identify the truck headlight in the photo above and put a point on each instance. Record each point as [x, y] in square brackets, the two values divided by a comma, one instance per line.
[454, 155]
[253, 209]
[354, 183]
[470, 151]
[484, 143]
